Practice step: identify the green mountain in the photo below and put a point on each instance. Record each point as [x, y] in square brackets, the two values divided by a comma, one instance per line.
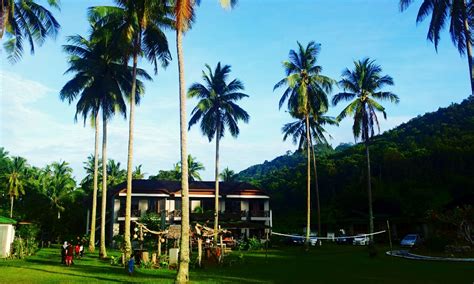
[426, 163]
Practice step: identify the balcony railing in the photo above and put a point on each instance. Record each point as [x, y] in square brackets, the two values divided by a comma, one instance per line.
[209, 215]
[261, 213]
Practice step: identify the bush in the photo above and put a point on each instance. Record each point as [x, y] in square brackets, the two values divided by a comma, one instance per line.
[255, 244]
[25, 243]
[119, 241]
[250, 244]
[436, 243]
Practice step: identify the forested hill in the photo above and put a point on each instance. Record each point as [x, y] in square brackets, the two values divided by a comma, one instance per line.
[423, 164]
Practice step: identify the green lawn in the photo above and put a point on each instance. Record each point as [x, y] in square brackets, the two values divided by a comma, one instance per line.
[327, 264]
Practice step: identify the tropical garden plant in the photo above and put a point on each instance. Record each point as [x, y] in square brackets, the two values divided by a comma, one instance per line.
[363, 87]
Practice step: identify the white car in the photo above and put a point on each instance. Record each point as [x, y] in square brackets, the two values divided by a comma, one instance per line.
[361, 240]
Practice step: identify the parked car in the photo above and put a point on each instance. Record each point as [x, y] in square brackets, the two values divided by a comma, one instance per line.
[299, 240]
[313, 241]
[410, 240]
[361, 240]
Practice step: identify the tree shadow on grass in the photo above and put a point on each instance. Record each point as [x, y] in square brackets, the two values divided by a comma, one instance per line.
[86, 270]
[72, 274]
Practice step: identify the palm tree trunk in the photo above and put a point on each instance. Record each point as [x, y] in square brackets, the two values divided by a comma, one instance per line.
[216, 199]
[183, 269]
[103, 251]
[308, 199]
[316, 186]
[4, 17]
[95, 182]
[128, 201]
[467, 34]
[11, 206]
[369, 192]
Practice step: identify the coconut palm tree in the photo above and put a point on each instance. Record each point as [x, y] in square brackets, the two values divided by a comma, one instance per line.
[228, 175]
[194, 167]
[363, 87]
[183, 18]
[103, 83]
[306, 93]
[58, 183]
[297, 131]
[87, 183]
[15, 177]
[137, 26]
[137, 173]
[115, 175]
[459, 15]
[26, 19]
[217, 110]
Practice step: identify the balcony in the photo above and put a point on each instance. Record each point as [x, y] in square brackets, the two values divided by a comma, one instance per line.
[208, 215]
[260, 213]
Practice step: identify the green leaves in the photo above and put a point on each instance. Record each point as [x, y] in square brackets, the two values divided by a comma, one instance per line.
[27, 20]
[307, 89]
[362, 85]
[216, 108]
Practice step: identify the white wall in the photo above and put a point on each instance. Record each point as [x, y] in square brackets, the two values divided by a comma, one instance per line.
[7, 234]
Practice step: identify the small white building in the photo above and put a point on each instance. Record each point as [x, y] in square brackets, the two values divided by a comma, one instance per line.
[7, 234]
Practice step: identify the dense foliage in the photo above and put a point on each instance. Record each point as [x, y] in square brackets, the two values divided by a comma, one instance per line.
[424, 164]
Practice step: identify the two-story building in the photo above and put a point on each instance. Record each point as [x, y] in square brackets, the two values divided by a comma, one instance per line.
[244, 208]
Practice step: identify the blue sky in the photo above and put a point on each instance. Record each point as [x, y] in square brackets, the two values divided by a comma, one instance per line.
[254, 39]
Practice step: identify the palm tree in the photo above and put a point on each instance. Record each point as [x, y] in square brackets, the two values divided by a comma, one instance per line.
[15, 176]
[306, 93]
[58, 184]
[363, 86]
[115, 175]
[102, 82]
[137, 173]
[183, 18]
[459, 15]
[194, 167]
[217, 110]
[26, 19]
[297, 131]
[228, 175]
[89, 166]
[137, 31]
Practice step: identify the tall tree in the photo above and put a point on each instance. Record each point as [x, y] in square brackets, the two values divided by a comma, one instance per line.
[15, 178]
[228, 175]
[58, 184]
[115, 175]
[137, 26]
[26, 19]
[103, 83]
[184, 17]
[297, 131]
[217, 110]
[363, 86]
[87, 183]
[137, 173]
[194, 167]
[459, 14]
[306, 93]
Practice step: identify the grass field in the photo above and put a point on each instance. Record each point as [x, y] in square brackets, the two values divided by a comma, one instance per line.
[327, 264]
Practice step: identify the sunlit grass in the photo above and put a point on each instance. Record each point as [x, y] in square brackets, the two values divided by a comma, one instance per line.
[326, 264]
